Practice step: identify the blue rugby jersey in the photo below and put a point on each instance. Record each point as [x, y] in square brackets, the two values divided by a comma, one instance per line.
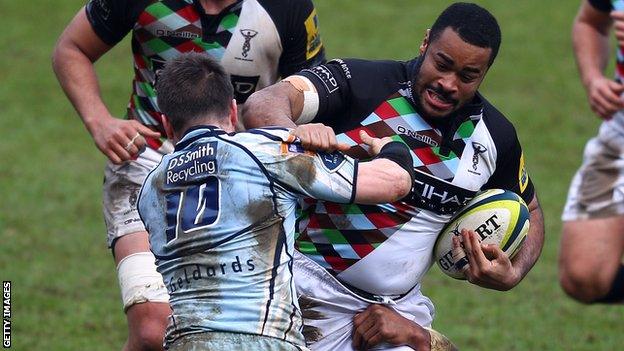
[220, 212]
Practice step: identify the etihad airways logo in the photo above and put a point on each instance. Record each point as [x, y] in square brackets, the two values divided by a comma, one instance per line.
[436, 195]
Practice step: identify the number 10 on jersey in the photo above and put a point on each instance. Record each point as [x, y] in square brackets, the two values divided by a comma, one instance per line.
[194, 208]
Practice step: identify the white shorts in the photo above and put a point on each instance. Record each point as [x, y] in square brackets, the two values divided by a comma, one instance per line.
[597, 189]
[328, 308]
[122, 184]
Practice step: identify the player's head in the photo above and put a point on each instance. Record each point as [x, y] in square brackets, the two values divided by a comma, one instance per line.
[455, 55]
[193, 89]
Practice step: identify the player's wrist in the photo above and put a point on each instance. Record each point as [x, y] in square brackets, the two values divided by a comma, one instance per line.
[420, 339]
[398, 153]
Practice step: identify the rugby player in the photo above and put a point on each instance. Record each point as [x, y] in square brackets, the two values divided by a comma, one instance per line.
[592, 243]
[358, 268]
[257, 41]
[220, 212]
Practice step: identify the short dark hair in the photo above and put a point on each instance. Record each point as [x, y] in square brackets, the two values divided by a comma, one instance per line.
[474, 24]
[191, 87]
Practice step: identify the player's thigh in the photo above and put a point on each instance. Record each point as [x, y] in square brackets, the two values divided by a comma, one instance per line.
[120, 194]
[592, 246]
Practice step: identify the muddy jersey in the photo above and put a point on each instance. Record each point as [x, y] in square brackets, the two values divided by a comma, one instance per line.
[256, 41]
[386, 249]
[220, 212]
[617, 122]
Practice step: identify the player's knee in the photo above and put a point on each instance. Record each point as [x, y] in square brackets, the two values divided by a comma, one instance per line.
[582, 283]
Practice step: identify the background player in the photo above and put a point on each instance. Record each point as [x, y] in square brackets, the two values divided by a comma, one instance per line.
[592, 244]
[461, 144]
[257, 41]
[220, 212]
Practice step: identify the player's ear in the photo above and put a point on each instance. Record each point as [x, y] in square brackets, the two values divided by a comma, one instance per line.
[425, 42]
[168, 127]
[233, 114]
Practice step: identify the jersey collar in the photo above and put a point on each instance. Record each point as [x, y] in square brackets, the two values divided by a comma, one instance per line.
[197, 132]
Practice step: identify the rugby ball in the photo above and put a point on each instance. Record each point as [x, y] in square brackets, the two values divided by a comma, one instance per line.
[497, 216]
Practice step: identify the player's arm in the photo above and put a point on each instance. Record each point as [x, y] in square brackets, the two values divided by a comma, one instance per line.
[335, 177]
[74, 55]
[317, 94]
[389, 176]
[590, 37]
[489, 266]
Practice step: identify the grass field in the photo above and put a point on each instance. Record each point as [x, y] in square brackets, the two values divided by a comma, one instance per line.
[65, 294]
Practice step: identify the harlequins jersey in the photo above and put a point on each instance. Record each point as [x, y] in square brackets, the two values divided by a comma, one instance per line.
[257, 41]
[386, 249]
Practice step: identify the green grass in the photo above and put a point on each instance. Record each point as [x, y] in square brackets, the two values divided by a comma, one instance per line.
[65, 294]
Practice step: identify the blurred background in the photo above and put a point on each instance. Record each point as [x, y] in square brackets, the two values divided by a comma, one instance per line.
[52, 234]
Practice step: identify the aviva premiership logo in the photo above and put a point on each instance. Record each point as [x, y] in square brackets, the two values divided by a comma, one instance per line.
[523, 176]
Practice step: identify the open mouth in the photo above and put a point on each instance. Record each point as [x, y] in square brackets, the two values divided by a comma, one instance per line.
[438, 101]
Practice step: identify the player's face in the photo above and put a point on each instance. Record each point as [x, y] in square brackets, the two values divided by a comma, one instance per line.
[450, 74]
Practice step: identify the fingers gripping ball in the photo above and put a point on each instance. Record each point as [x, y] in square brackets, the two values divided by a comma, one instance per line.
[497, 216]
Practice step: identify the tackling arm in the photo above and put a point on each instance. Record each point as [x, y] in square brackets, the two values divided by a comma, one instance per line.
[74, 54]
[279, 104]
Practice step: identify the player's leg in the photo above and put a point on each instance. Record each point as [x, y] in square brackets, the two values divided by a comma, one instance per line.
[143, 292]
[590, 267]
[592, 243]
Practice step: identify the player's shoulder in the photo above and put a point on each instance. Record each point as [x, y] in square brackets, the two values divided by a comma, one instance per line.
[347, 65]
[602, 5]
[499, 126]
[261, 140]
[286, 6]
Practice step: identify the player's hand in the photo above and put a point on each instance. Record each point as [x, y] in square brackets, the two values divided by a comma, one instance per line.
[120, 140]
[318, 137]
[380, 323]
[604, 96]
[618, 26]
[488, 266]
[374, 144]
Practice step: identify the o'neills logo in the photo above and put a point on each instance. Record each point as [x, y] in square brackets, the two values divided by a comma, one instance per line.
[248, 34]
[478, 149]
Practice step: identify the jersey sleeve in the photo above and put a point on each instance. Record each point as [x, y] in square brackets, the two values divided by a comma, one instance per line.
[601, 5]
[332, 83]
[111, 19]
[297, 24]
[324, 176]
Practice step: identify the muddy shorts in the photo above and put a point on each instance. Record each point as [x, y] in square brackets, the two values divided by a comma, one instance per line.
[231, 342]
[597, 189]
[328, 308]
[122, 184]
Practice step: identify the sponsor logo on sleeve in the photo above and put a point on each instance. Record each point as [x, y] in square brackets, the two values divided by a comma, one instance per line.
[333, 161]
[325, 75]
[314, 43]
[523, 176]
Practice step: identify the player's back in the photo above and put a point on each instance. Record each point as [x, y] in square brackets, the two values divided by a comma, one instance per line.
[218, 224]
